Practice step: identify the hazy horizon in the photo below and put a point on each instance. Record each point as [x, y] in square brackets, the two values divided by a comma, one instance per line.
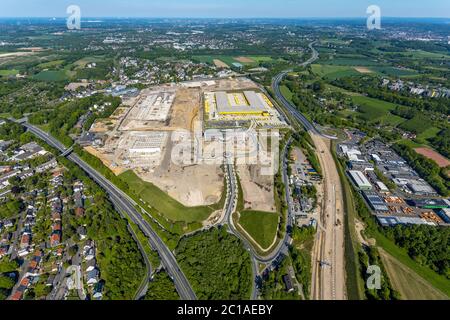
[225, 9]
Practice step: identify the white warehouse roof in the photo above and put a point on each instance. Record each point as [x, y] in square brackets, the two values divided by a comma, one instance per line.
[360, 179]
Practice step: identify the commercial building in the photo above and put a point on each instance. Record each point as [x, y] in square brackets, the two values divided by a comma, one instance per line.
[382, 187]
[431, 203]
[420, 187]
[249, 103]
[444, 214]
[388, 221]
[360, 180]
[375, 202]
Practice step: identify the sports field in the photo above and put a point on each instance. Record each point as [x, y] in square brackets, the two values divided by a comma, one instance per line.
[441, 161]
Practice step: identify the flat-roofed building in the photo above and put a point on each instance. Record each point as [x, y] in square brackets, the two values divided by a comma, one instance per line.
[360, 180]
[231, 104]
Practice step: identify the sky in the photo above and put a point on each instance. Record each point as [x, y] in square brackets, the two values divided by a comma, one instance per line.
[225, 8]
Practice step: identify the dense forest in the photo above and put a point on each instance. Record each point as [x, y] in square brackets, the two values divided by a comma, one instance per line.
[216, 264]
[442, 142]
[428, 245]
[7, 282]
[369, 256]
[161, 288]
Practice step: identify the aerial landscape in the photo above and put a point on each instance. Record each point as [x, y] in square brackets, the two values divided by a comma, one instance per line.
[224, 152]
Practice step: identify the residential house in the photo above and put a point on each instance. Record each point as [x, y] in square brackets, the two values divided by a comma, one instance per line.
[288, 283]
[92, 277]
[98, 290]
[91, 265]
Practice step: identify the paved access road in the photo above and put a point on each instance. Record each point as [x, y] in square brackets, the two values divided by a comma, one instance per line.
[124, 203]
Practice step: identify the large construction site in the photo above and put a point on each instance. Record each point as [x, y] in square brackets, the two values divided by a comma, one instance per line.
[148, 131]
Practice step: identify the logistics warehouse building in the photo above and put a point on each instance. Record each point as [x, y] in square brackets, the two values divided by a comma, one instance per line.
[360, 180]
[248, 103]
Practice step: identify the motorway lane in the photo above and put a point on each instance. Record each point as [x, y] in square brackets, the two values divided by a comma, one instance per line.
[126, 204]
[328, 283]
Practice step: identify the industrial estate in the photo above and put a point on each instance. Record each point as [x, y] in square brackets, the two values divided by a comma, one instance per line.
[154, 159]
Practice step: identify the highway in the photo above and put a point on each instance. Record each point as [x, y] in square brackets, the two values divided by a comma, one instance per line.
[125, 204]
[291, 107]
[328, 254]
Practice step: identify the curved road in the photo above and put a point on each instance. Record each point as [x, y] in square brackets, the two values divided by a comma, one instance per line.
[230, 208]
[289, 105]
[124, 203]
[328, 267]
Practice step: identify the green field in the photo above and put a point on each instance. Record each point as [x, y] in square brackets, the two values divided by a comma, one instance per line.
[261, 226]
[429, 132]
[163, 203]
[60, 75]
[377, 110]
[408, 283]
[229, 60]
[333, 72]
[261, 59]
[345, 61]
[394, 72]
[83, 62]
[286, 93]
[7, 73]
[439, 282]
[419, 124]
[51, 64]
[420, 54]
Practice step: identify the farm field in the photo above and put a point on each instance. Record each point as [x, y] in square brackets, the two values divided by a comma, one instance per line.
[260, 59]
[420, 54]
[229, 60]
[437, 282]
[377, 110]
[394, 72]
[428, 133]
[351, 62]
[167, 206]
[6, 73]
[408, 283]
[84, 61]
[50, 64]
[433, 155]
[333, 72]
[49, 75]
[416, 124]
[261, 226]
